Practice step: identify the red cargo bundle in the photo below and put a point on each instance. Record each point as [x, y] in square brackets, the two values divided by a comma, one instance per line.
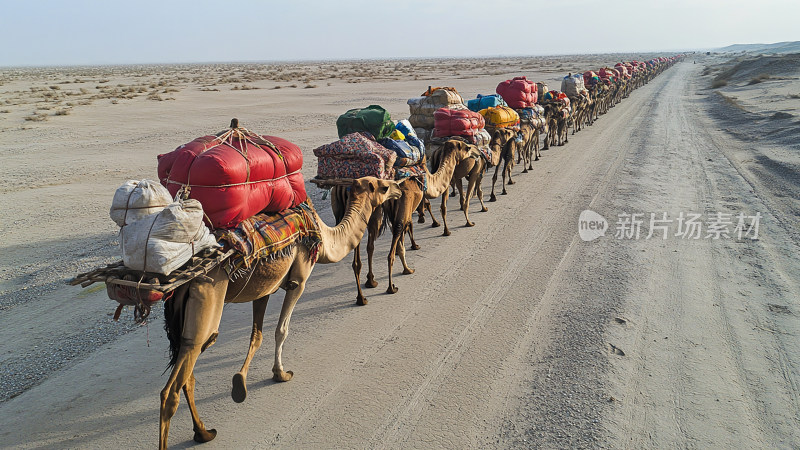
[587, 77]
[236, 175]
[518, 92]
[457, 122]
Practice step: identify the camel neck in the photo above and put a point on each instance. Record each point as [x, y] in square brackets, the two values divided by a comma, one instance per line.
[439, 182]
[339, 241]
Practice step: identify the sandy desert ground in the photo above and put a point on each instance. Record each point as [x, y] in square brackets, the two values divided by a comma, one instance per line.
[514, 333]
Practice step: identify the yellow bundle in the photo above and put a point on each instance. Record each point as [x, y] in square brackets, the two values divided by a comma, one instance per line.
[397, 135]
[500, 116]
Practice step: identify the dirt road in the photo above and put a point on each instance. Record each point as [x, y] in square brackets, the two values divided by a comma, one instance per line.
[513, 333]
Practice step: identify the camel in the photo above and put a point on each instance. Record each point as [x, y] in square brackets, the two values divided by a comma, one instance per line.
[399, 214]
[472, 167]
[529, 148]
[504, 141]
[555, 113]
[193, 315]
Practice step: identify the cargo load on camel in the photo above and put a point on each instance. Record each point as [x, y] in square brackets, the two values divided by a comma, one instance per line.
[518, 92]
[485, 101]
[455, 122]
[572, 85]
[373, 119]
[500, 117]
[235, 174]
[423, 107]
[355, 155]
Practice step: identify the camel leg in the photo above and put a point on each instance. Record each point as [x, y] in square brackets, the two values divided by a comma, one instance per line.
[373, 227]
[434, 222]
[527, 157]
[510, 181]
[444, 214]
[492, 197]
[361, 300]
[460, 194]
[479, 192]
[239, 390]
[470, 190]
[401, 249]
[421, 210]
[300, 271]
[203, 311]
[414, 245]
[397, 234]
[201, 435]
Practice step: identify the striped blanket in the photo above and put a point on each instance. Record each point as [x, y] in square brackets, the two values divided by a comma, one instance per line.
[270, 235]
[416, 172]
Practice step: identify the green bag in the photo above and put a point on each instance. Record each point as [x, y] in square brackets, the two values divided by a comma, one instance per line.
[373, 119]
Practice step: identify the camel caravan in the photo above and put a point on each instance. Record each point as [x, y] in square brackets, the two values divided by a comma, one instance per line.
[229, 220]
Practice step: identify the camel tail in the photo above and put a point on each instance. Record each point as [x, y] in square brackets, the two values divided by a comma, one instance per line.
[173, 322]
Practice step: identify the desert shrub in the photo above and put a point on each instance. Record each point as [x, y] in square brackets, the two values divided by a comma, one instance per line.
[5, 111]
[794, 95]
[154, 96]
[731, 101]
[718, 83]
[36, 118]
[780, 115]
[62, 112]
[310, 86]
[759, 79]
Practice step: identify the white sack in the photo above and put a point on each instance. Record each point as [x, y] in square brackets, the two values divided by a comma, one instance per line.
[137, 199]
[169, 238]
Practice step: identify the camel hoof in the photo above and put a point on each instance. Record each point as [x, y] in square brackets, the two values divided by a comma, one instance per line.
[282, 377]
[408, 271]
[421, 219]
[524, 171]
[203, 436]
[446, 233]
[361, 301]
[435, 225]
[492, 198]
[415, 247]
[470, 224]
[484, 209]
[370, 283]
[511, 182]
[239, 390]
[392, 289]
[504, 193]
[452, 194]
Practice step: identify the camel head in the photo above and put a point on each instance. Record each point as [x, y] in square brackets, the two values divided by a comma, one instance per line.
[501, 136]
[376, 190]
[459, 148]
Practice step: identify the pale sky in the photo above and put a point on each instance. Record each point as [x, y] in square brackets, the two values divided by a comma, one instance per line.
[83, 32]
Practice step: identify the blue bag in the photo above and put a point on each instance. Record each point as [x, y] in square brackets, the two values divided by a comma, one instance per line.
[403, 149]
[485, 101]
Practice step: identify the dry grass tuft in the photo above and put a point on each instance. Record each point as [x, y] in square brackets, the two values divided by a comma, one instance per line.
[731, 101]
[718, 83]
[759, 79]
[310, 86]
[36, 118]
[62, 112]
